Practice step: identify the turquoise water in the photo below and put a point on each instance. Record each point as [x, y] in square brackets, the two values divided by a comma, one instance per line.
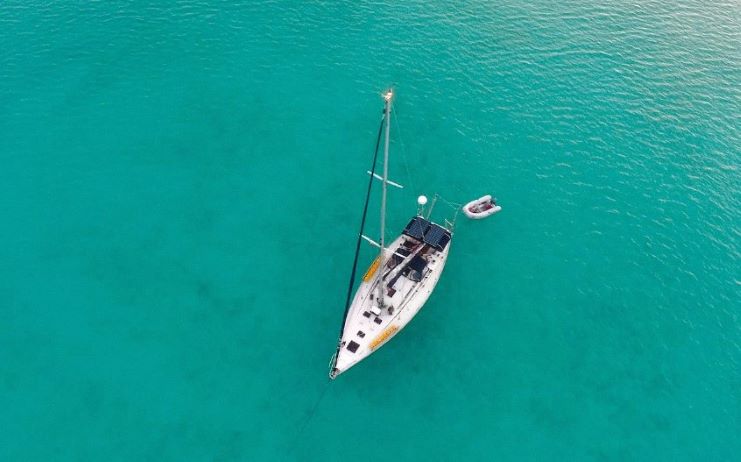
[181, 187]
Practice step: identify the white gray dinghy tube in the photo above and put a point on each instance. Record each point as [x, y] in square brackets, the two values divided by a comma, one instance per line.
[481, 208]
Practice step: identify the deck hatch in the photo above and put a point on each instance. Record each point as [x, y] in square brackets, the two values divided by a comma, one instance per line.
[352, 346]
[398, 256]
[418, 264]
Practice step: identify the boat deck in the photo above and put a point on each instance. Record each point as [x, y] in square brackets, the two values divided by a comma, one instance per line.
[411, 271]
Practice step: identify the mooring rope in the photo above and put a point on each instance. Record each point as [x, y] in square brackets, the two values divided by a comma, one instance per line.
[360, 238]
[308, 418]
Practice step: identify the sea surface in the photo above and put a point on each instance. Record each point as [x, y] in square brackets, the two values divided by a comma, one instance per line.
[181, 185]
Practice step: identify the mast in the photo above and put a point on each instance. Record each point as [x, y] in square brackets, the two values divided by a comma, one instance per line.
[372, 172]
[381, 263]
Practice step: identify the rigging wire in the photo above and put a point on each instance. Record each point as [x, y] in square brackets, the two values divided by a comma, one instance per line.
[360, 238]
[406, 164]
[454, 205]
[404, 151]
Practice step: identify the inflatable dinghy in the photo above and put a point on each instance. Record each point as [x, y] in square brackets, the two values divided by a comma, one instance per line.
[481, 208]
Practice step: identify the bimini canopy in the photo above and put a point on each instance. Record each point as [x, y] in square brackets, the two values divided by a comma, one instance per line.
[434, 235]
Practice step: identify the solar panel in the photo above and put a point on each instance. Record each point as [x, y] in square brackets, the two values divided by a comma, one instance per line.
[417, 227]
[437, 236]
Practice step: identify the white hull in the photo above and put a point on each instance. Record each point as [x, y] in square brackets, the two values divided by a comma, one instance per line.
[369, 327]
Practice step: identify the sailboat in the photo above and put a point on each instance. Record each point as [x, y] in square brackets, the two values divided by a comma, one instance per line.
[399, 281]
